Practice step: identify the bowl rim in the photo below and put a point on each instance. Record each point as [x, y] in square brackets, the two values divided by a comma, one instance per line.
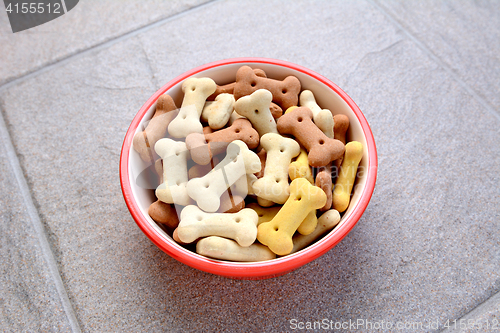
[260, 269]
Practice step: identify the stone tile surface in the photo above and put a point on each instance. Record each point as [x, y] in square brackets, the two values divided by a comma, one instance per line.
[427, 248]
[90, 23]
[29, 301]
[486, 317]
[463, 34]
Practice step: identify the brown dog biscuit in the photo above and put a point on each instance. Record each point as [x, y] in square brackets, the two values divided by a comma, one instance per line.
[164, 213]
[285, 93]
[204, 147]
[341, 124]
[231, 203]
[276, 111]
[262, 156]
[144, 141]
[321, 149]
[324, 180]
[229, 88]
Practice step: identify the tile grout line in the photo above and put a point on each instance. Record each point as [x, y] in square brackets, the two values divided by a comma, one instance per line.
[436, 59]
[37, 225]
[100, 46]
[495, 298]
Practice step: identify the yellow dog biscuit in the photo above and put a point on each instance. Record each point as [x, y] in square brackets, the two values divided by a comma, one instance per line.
[300, 167]
[277, 233]
[347, 175]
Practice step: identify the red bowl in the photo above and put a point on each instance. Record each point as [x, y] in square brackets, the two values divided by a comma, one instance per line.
[328, 96]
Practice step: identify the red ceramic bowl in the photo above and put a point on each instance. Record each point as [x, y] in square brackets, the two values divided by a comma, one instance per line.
[328, 96]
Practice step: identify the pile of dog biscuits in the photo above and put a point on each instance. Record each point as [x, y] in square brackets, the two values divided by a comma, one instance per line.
[250, 170]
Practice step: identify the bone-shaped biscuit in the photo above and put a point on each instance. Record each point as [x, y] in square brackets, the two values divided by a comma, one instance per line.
[323, 118]
[309, 224]
[285, 93]
[175, 175]
[322, 149]
[204, 147]
[324, 180]
[196, 91]
[340, 131]
[277, 233]
[217, 113]
[164, 213]
[239, 160]
[274, 185]
[255, 107]
[230, 203]
[227, 249]
[347, 176]
[241, 226]
[326, 222]
[156, 129]
[229, 88]
[265, 214]
[300, 167]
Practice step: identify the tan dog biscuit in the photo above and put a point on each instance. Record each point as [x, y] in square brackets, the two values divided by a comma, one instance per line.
[347, 176]
[229, 88]
[227, 249]
[323, 118]
[164, 213]
[322, 149]
[309, 224]
[156, 129]
[341, 125]
[324, 181]
[326, 222]
[196, 91]
[274, 185]
[285, 93]
[277, 233]
[217, 113]
[204, 147]
[241, 226]
[255, 107]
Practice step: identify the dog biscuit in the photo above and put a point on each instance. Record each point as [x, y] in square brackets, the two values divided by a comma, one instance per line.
[175, 175]
[227, 249]
[285, 93]
[265, 214]
[324, 181]
[229, 88]
[204, 147]
[196, 91]
[217, 113]
[326, 222]
[273, 186]
[347, 176]
[321, 149]
[164, 213]
[255, 107]
[300, 167]
[156, 129]
[277, 233]
[323, 118]
[241, 226]
[239, 160]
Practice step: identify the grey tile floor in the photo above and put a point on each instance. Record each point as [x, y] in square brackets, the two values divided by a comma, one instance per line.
[425, 253]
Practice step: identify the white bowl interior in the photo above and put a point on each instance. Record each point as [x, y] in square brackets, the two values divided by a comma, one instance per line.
[325, 97]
